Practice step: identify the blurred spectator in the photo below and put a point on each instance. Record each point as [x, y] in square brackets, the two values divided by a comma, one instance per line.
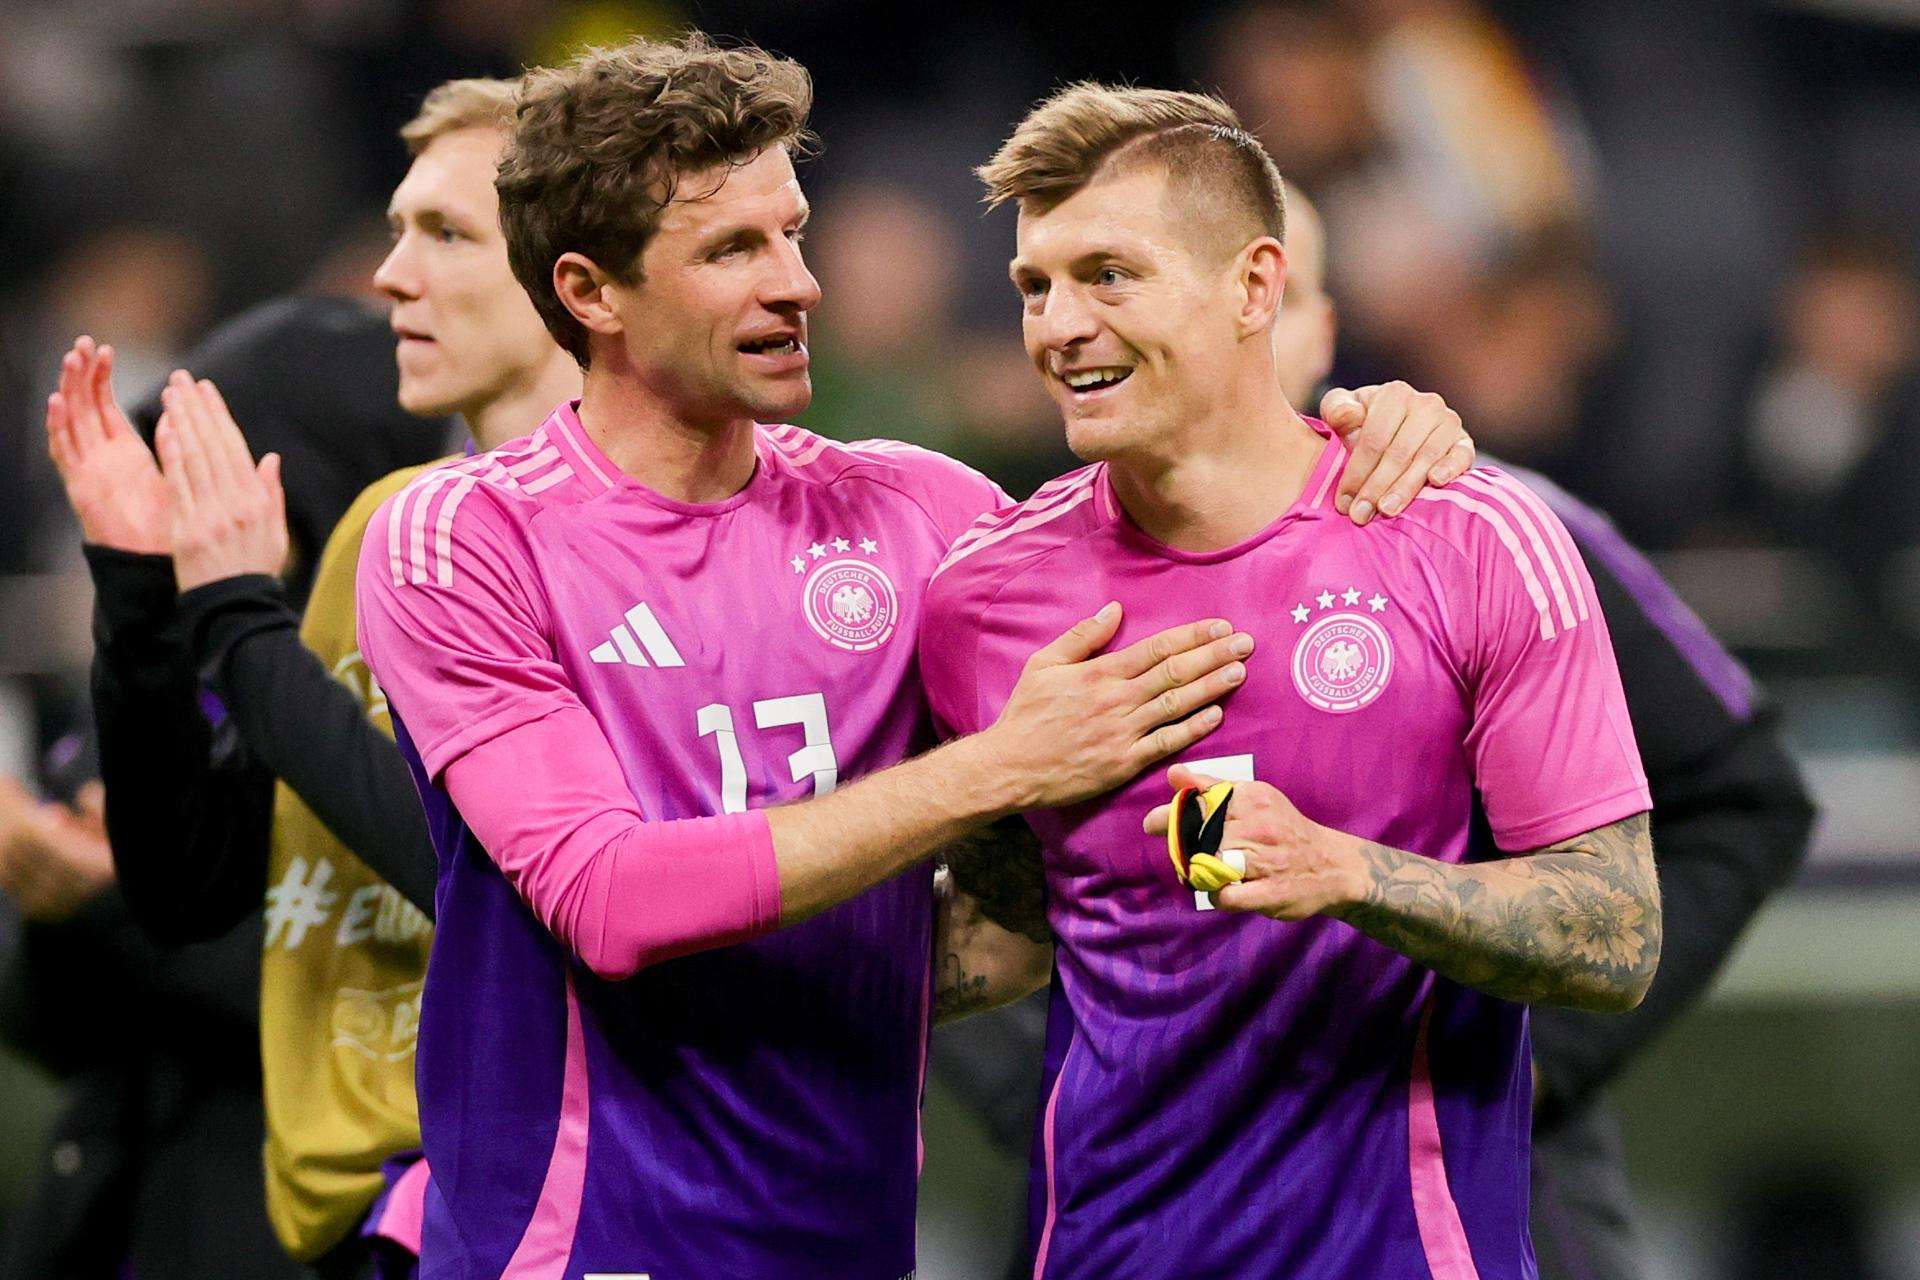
[1434, 150]
[1298, 74]
[890, 357]
[1517, 351]
[882, 336]
[1822, 423]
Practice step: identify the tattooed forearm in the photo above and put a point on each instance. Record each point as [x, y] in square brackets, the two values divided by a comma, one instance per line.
[957, 990]
[989, 950]
[1576, 923]
[1000, 867]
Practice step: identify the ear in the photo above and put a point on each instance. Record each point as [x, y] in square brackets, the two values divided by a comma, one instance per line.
[584, 289]
[1262, 268]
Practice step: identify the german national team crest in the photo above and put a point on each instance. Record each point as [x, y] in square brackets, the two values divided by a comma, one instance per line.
[849, 602]
[1343, 660]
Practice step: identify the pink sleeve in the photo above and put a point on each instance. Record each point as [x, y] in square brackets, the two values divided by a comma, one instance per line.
[1552, 747]
[458, 640]
[450, 619]
[950, 649]
[549, 805]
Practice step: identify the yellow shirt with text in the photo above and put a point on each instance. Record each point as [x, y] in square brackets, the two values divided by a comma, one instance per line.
[341, 971]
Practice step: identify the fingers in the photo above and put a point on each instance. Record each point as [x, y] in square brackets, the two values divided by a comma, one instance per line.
[1161, 692]
[1387, 408]
[1435, 457]
[1402, 472]
[1143, 656]
[166, 442]
[1082, 640]
[1342, 410]
[85, 399]
[112, 422]
[198, 464]
[1455, 461]
[73, 393]
[1242, 896]
[1171, 739]
[1161, 816]
[224, 432]
[1183, 699]
[269, 473]
[60, 434]
[1181, 776]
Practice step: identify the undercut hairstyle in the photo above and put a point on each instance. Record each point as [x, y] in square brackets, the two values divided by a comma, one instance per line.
[1221, 180]
[601, 145]
[457, 105]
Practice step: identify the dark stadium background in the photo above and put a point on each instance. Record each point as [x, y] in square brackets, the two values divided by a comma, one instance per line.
[1662, 251]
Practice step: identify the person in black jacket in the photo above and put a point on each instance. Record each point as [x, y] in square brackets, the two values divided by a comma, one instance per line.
[207, 692]
[155, 1162]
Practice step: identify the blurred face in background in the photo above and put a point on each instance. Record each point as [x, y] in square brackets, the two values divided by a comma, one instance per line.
[867, 245]
[1305, 326]
[715, 329]
[1128, 315]
[468, 334]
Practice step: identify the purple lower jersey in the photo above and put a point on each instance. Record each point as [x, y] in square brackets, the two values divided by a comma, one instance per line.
[749, 1110]
[1233, 1096]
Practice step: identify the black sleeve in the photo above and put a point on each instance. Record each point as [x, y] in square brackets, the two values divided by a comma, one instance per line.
[1731, 814]
[187, 814]
[309, 730]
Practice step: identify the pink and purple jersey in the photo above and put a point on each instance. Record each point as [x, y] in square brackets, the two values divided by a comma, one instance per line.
[1236, 1096]
[588, 1106]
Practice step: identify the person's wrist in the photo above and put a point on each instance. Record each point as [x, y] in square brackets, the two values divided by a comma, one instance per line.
[1352, 870]
[994, 790]
[116, 537]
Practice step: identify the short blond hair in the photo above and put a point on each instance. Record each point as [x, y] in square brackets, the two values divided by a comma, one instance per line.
[1088, 130]
[460, 104]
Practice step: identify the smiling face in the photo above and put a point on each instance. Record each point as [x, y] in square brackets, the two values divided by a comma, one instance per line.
[716, 325]
[467, 332]
[1131, 317]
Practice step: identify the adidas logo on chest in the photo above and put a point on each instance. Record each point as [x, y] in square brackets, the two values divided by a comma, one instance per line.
[640, 641]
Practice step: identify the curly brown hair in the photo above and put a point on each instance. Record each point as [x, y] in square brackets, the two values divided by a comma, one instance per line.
[601, 144]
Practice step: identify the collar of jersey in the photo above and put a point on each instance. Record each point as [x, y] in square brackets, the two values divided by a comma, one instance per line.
[763, 467]
[1331, 456]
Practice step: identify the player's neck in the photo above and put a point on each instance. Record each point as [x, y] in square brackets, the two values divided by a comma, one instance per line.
[1235, 478]
[681, 460]
[524, 406]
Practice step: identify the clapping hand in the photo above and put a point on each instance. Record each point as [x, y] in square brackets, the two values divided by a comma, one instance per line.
[114, 487]
[229, 515]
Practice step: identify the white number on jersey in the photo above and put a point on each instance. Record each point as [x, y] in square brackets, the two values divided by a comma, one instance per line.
[816, 759]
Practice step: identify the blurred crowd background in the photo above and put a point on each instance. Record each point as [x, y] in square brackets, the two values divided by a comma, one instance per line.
[1662, 250]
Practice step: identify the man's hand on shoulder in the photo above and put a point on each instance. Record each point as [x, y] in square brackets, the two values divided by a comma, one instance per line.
[1400, 441]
